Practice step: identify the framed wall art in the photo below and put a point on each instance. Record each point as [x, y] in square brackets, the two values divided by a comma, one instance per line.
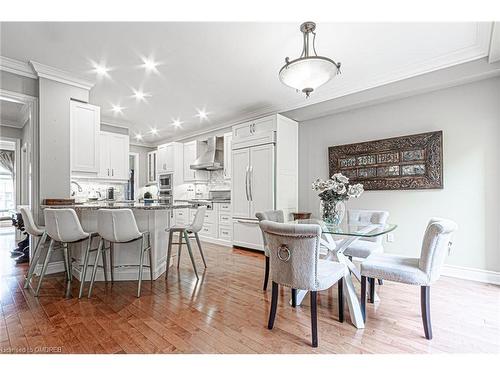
[400, 163]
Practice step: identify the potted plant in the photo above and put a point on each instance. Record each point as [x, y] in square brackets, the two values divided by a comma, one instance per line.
[148, 198]
[333, 193]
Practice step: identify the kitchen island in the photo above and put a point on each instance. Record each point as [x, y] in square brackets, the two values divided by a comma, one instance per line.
[153, 217]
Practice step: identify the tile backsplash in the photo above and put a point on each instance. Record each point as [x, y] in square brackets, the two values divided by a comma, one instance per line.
[91, 189]
[217, 181]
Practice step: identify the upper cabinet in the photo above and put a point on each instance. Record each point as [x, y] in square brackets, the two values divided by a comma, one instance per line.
[192, 150]
[257, 131]
[165, 158]
[228, 140]
[114, 156]
[84, 138]
[152, 169]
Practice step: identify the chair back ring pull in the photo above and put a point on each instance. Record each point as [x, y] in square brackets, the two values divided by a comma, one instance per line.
[284, 253]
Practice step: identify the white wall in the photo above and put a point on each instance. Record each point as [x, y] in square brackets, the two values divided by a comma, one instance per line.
[469, 116]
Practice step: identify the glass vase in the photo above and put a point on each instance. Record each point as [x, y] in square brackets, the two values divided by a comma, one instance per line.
[333, 212]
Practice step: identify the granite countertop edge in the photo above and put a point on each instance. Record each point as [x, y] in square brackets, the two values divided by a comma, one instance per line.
[136, 206]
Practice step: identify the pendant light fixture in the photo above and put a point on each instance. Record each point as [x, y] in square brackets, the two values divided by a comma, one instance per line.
[308, 72]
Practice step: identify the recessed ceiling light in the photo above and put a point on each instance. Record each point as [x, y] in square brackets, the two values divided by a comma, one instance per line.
[138, 136]
[149, 64]
[117, 109]
[154, 131]
[101, 70]
[177, 123]
[140, 95]
[202, 114]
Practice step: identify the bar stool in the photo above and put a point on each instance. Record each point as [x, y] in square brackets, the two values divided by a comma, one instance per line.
[120, 226]
[36, 233]
[194, 228]
[63, 226]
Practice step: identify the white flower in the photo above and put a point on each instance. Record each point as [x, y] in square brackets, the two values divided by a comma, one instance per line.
[340, 189]
[340, 178]
[355, 190]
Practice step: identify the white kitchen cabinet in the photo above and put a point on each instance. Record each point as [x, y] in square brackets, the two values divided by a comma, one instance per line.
[84, 138]
[192, 150]
[227, 155]
[240, 198]
[264, 174]
[152, 169]
[114, 156]
[165, 158]
[181, 217]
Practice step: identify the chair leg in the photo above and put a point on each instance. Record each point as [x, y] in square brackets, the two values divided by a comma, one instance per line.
[45, 265]
[371, 281]
[425, 296]
[199, 247]
[380, 282]
[179, 250]
[65, 259]
[341, 299]
[266, 274]
[314, 319]
[150, 256]
[294, 297]
[141, 264]
[34, 260]
[112, 262]
[85, 267]
[190, 251]
[104, 264]
[363, 297]
[94, 267]
[169, 252]
[67, 253]
[274, 305]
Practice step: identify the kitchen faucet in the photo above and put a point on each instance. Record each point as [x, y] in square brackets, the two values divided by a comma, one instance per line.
[78, 187]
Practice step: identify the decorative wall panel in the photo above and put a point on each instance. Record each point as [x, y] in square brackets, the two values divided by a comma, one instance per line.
[401, 163]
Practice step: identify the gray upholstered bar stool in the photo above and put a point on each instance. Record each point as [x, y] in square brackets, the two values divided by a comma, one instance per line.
[36, 233]
[364, 247]
[423, 271]
[62, 225]
[184, 232]
[295, 263]
[119, 226]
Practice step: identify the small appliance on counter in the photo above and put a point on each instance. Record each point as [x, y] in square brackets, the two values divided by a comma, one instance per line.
[111, 194]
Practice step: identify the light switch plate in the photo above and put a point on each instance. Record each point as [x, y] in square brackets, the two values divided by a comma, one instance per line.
[390, 237]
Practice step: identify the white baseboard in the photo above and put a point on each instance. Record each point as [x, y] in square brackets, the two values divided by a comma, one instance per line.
[475, 274]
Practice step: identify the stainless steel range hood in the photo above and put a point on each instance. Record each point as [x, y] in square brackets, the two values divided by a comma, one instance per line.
[213, 158]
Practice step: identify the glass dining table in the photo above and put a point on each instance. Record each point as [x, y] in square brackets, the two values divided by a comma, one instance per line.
[333, 249]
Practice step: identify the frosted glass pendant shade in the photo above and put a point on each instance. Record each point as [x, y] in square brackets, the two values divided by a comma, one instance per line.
[309, 73]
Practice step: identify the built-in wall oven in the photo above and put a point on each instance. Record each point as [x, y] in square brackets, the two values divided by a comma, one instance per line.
[165, 181]
[165, 184]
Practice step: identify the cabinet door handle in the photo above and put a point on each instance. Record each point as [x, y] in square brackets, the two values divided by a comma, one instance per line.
[108, 171]
[246, 183]
[250, 183]
[112, 172]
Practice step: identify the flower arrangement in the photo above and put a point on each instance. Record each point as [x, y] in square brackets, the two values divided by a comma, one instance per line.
[332, 193]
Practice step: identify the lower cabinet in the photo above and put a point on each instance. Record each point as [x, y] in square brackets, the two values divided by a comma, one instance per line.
[248, 234]
[217, 226]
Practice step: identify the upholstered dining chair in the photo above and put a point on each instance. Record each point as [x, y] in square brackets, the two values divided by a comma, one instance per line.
[364, 247]
[278, 217]
[423, 271]
[294, 257]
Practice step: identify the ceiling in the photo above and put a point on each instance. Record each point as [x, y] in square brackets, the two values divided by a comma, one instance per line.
[230, 70]
[12, 113]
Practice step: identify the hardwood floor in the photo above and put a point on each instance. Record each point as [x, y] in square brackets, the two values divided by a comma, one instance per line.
[226, 312]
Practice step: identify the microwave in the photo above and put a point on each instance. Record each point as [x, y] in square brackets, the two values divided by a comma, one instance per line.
[165, 181]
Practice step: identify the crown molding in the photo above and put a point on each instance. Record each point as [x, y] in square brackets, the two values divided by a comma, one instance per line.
[55, 74]
[494, 52]
[16, 67]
